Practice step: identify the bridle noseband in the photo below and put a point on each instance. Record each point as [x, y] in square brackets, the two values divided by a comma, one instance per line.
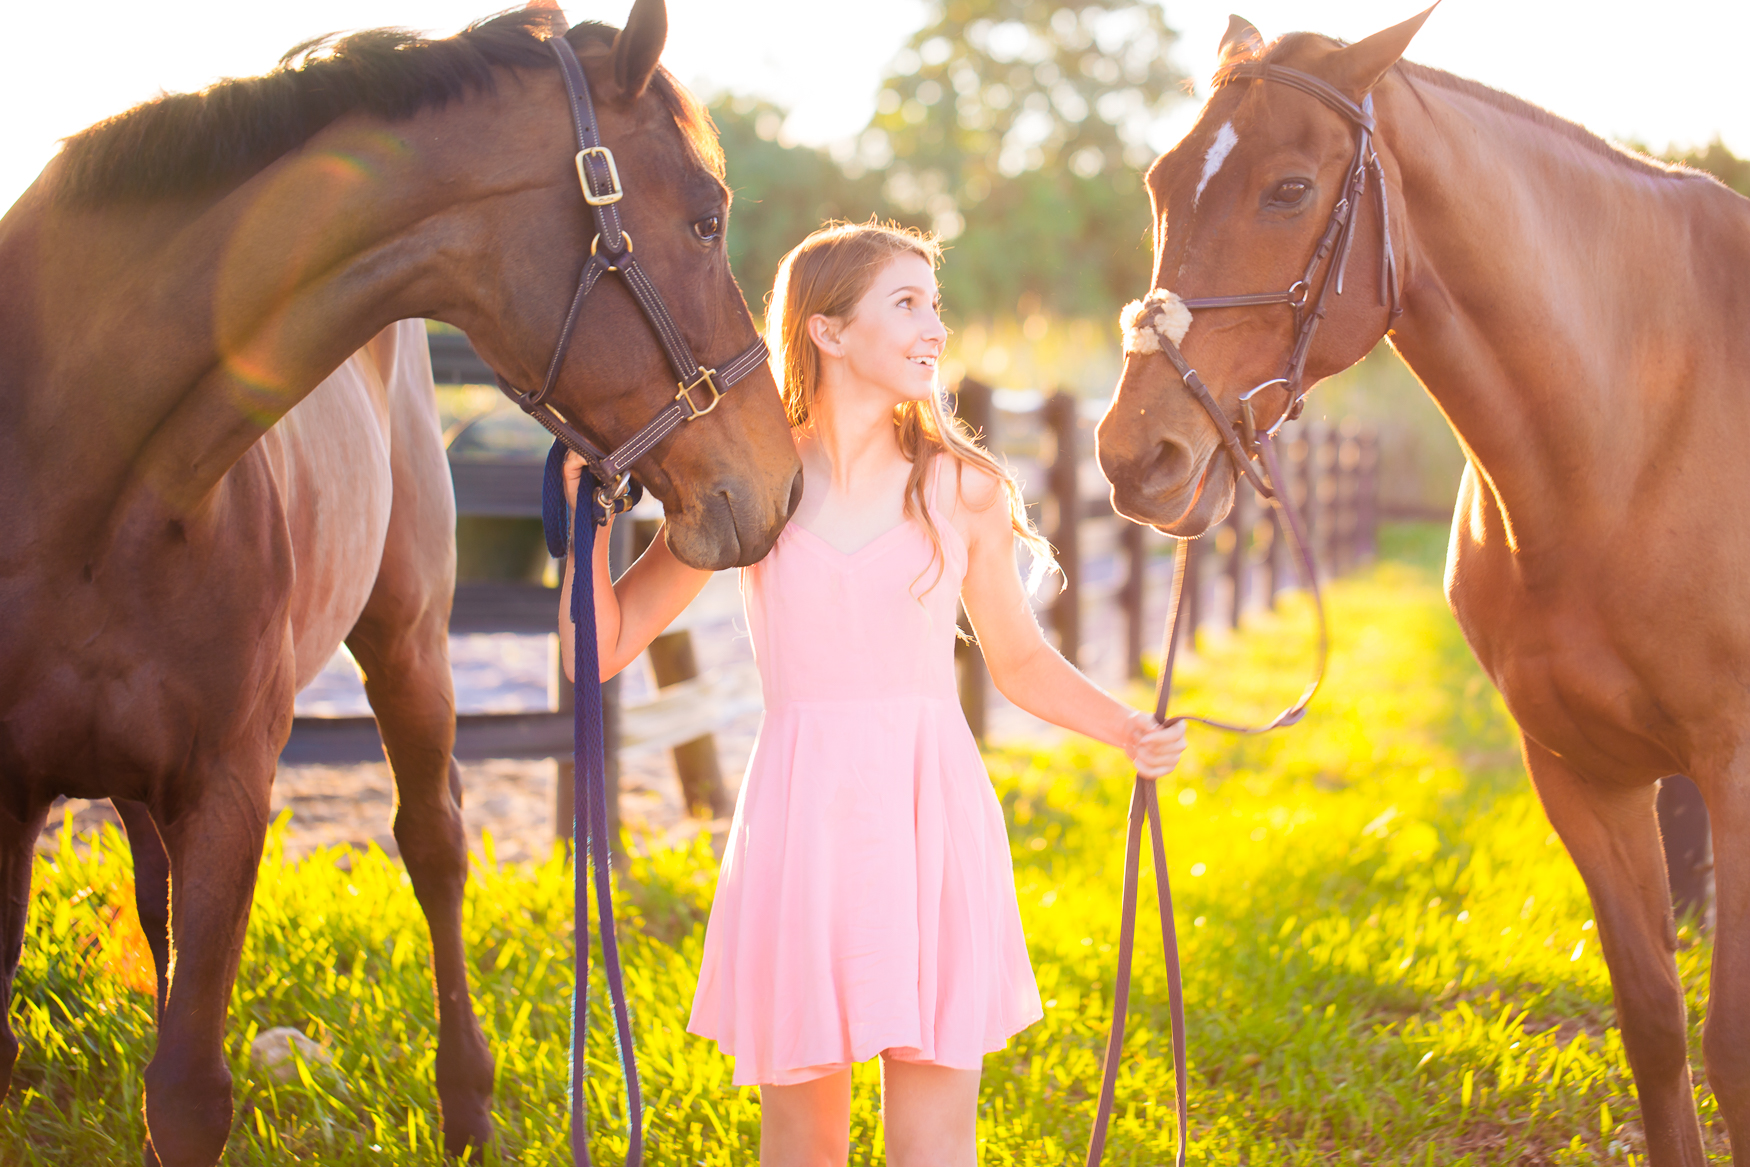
[699, 389]
[1241, 439]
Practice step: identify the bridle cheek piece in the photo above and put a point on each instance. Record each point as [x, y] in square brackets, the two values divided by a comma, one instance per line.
[698, 389]
[1245, 440]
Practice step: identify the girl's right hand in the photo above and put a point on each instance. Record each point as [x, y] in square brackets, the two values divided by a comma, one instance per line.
[1153, 748]
[573, 476]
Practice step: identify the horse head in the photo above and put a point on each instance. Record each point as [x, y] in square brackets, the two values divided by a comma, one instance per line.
[728, 481]
[1240, 204]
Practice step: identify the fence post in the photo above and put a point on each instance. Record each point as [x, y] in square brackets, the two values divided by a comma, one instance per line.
[1330, 498]
[1062, 505]
[1236, 555]
[1131, 537]
[1367, 494]
[1193, 607]
[1683, 825]
[972, 406]
[1349, 471]
[1306, 453]
[672, 660]
[563, 793]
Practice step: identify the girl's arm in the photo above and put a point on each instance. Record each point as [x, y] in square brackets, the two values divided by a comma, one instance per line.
[633, 612]
[1026, 669]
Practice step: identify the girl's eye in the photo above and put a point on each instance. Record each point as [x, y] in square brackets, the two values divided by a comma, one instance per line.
[708, 228]
[1289, 192]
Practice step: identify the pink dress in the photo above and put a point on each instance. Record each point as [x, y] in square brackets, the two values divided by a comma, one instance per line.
[866, 901]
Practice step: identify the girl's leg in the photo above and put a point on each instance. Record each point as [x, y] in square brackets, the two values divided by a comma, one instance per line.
[808, 1124]
[930, 1114]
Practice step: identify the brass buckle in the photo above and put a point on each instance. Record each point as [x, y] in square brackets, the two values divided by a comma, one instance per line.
[615, 190]
[707, 378]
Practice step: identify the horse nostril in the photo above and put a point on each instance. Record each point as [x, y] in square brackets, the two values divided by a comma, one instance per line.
[1167, 470]
[795, 494]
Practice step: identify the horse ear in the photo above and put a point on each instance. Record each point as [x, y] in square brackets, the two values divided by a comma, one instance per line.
[1240, 42]
[1357, 68]
[638, 46]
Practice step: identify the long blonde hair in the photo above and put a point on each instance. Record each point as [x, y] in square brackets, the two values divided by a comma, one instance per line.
[827, 274]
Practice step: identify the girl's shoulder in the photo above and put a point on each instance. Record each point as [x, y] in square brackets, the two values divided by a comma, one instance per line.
[971, 496]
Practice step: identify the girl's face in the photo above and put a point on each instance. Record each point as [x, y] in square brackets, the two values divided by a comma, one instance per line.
[894, 338]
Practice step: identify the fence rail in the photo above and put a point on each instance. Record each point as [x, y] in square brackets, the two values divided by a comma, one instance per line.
[1331, 470]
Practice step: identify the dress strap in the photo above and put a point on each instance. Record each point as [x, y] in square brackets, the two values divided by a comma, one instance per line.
[944, 512]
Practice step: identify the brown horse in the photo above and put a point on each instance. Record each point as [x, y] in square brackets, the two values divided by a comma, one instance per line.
[179, 283]
[1578, 313]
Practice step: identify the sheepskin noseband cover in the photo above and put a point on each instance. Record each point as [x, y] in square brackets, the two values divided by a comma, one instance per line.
[1146, 321]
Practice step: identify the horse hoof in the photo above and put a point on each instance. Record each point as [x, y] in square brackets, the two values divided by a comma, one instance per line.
[466, 1137]
[188, 1112]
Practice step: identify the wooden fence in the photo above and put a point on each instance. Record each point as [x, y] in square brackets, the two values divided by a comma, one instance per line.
[1242, 563]
[1331, 470]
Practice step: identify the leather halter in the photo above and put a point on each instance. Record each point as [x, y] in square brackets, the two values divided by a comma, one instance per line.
[699, 388]
[1244, 442]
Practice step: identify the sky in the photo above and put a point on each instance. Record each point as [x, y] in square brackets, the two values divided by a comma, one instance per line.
[1664, 73]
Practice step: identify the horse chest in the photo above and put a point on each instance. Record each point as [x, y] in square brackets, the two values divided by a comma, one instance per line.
[1573, 685]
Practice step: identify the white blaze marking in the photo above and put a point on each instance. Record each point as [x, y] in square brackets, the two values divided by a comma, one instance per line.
[1225, 141]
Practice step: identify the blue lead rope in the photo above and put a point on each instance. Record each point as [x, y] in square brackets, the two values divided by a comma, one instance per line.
[589, 824]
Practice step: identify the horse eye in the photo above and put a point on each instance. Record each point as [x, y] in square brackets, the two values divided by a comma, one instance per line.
[1289, 193]
[708, 228]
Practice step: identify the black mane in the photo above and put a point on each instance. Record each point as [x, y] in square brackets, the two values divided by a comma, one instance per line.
[191, 143]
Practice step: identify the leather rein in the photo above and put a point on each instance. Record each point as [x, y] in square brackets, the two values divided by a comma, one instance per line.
[1253, 453]
[611, 252]
[699, 389]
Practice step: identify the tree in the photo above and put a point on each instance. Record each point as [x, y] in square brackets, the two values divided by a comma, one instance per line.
[782, 192]
[1015, 128]
[1018, 127]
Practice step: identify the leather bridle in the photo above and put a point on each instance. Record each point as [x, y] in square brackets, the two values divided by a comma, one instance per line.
[1241, 438]
[1253, 454]
[699, 389]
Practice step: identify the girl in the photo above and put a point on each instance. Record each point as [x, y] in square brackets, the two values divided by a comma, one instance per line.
[866, 903]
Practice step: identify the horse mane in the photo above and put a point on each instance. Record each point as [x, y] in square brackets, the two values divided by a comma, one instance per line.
[1520, 108]
[193, 143]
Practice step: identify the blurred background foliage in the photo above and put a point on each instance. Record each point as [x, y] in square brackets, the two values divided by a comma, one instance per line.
[1018, 130]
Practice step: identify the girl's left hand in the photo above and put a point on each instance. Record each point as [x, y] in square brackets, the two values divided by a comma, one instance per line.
[1155, 749]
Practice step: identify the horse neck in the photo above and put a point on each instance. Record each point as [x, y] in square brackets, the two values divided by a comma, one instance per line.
[1550, 299]
[186, 328]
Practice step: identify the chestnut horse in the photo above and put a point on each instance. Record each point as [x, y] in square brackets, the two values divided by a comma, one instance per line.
[194, 518]
[1578, 314]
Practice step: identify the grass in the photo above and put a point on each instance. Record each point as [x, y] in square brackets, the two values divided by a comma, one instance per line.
[1388, 957]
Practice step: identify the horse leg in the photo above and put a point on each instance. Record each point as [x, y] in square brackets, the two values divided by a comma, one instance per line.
[407, 677]
[17, 851]
[1725, 1040]
[151, 886]
[1612, 833]
[214, 842]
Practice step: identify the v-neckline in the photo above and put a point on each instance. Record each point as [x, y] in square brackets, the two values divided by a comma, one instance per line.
[821, 539]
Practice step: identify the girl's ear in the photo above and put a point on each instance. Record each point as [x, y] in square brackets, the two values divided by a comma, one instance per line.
[824, 332]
